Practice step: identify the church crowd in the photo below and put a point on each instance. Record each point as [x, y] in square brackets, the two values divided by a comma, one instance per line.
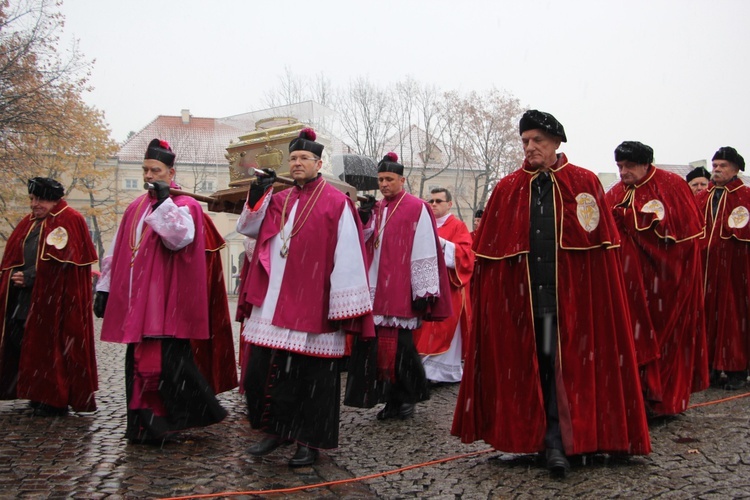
[570, 316]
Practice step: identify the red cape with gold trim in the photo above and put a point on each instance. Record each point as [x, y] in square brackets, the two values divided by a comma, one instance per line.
[599, 394]
[660, 225]
[58, 361]
[215, 357]
[726, 257]
[435, 337]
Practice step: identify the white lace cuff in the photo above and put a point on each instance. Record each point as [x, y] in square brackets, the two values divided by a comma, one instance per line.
[349, 303]
[425, 280]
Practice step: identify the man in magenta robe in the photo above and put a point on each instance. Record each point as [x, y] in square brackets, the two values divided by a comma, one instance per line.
[46, 326]
[408, 283]
[659, 226]
[725, 206]
[551, 365]
[153, 296]
[441, 343]
[305, 287]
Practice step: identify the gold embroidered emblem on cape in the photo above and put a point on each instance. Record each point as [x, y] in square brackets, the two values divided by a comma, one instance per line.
[58, 238]
[587, 211]
[739, 217]
[654, 207]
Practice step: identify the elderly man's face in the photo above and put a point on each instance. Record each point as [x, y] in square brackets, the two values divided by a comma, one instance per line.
[40, 208]
[698, 184]
[540, 148]
[631, 173]
[154, 170]
[724, 171]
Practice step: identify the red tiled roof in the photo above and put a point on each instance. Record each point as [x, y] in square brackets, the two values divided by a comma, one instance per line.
[200, 141]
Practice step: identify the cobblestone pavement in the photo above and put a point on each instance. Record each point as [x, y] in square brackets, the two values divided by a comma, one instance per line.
[704, 453]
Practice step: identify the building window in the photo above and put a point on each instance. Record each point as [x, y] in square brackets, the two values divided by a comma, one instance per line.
[206, 186]
[131, 183]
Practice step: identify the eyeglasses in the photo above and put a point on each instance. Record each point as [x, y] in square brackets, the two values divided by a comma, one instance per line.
[436, 201]
[302, 158]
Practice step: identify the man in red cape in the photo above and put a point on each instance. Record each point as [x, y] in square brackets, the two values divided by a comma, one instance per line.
[551, 364]
[47, 329]
[440, 343]
[726, 255]
[659, 224]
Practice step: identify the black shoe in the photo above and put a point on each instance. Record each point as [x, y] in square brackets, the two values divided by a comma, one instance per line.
[265, 446]
[45, 410]
[406, 410]
[557, 464]
[305, 456]
[390, 410]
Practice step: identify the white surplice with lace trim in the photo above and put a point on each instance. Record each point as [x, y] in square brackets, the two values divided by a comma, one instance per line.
[349, 295]
[425, 279]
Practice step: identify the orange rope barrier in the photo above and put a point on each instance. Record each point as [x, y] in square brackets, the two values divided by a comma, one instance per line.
[340, 481]
[724, 400]
[394, 471]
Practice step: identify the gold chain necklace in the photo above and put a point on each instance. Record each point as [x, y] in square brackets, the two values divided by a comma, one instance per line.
[284, 252]
[134, 246]
[379, 231]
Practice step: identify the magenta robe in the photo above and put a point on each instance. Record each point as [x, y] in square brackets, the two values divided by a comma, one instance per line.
[169, 295]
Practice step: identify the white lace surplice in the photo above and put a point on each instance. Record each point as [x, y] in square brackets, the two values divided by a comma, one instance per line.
[425, 279]
[349, 292]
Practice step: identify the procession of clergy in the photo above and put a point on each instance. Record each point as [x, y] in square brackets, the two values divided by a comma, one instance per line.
[570, 316]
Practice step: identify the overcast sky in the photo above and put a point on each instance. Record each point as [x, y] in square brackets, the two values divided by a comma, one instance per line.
[671, 74]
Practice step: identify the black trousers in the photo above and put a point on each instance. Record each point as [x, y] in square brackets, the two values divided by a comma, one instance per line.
[294, 396]
[185, 394]
[11, 358]
[364, 389]
[545, 329]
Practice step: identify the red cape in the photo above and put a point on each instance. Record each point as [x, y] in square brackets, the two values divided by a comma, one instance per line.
[660, 225]
[726, 257]
[435, 337]
[215, 356]
[58, 362]
[599, 393]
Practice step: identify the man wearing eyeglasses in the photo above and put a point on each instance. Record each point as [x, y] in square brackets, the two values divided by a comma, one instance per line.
[551, 366]
[440, 343]
[305, 286]
[409, 284]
